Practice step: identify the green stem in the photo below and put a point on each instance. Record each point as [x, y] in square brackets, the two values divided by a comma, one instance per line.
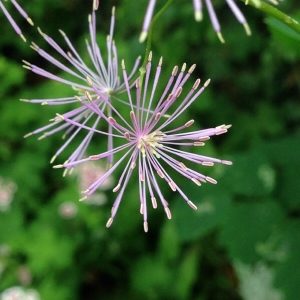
[149, 39]
[279, 15]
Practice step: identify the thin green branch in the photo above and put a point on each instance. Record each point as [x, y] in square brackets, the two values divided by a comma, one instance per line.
[276, 13]
[149, 38]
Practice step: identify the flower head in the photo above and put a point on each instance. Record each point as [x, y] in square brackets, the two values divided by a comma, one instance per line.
[12, 21]
[198, 16]
[104, 76]
[149, 143]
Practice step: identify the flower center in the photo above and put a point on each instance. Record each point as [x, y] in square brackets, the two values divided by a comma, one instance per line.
[149, 142]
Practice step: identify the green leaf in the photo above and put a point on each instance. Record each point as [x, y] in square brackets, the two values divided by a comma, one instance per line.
[287, 40]
[249, 225]
[288, 271]
[213, 207]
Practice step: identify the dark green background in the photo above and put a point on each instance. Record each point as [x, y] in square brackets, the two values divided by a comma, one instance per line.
[245, 235]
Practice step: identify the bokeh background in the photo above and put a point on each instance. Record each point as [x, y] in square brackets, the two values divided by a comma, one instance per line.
[243, 242]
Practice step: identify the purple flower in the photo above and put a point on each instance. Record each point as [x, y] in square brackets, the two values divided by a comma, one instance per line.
[104, 76]
[149, 144]
[198, 16]
[12, 21]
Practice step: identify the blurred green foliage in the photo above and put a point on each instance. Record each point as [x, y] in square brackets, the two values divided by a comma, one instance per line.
[250, 218]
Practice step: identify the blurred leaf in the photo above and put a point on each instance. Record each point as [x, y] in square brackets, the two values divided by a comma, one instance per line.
[47, 251]
[169, 244]
[151, 277]
[213, 207]
[288, 271]
[287, 40]
[187, 274]
[248, 225]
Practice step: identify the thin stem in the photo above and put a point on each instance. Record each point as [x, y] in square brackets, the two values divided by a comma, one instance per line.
[276, 13]
[149, 39]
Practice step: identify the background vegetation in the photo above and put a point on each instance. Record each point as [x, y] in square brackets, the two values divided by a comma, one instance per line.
[243, 242]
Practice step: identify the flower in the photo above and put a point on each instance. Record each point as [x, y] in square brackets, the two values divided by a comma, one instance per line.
[67, 210]
[19, 293]
[11, 20]
[198, 16]
[105, 77]
[88, 174]
[7, 190]
[149, 142]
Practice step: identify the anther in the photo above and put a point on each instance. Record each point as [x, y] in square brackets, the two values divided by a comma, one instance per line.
[168, 213]
[154, 203]
[160, 61]
[189, 123]
[192, 68]
[196, 84]
[83, 198]
[211, 180]
[109, 222]
[227, 162]
[192, 205]
[94, 157]
[175, 70]
[220, 36]
[146, 226]
[207, 82]
[117, 187]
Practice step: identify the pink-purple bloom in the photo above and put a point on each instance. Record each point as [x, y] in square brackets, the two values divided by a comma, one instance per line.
[12, 21]
[150, 143]
[198, 6]
[104, 75]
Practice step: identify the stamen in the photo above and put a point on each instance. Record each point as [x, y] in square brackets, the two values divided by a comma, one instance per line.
[207, 82]
[196, 181]
[58, 166]
[183, 67]
[94, 157]
[109, 222]
[52, 159]
[83, 198]
[146, 226]
[160, 61]
[199, 144]
[142, 177]
[175, 70]
[204, 138]
[168, 213]
[157, 117]
[111, 120]
[127, 135]
[192, 205]
[117, 187]
[182, 165]
[160, 174]
[154, 203]
[211, 180]
[192, 68]
[196, 84]
[172, 186]
[247, 28]
[219, 34]
[189, 123]
[227, 162]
